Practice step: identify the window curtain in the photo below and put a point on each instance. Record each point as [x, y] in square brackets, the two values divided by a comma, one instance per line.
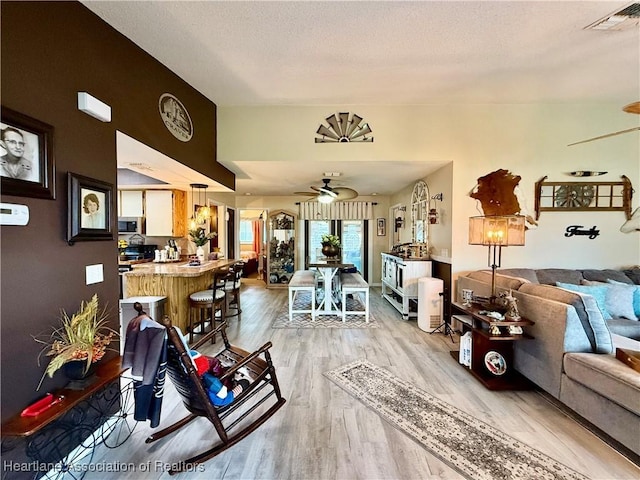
[336, 211]
[257, 241]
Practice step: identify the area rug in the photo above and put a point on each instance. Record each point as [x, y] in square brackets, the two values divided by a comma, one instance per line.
[474, 448]
[303, 320]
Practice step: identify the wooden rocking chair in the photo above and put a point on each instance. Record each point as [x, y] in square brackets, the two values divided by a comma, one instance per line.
[256, 365]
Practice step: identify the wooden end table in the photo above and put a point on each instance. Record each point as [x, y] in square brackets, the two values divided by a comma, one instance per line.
[491, 354]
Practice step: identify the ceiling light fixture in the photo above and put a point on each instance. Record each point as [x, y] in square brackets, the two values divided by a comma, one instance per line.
[325, 197]
[201, 212]
[344, 127]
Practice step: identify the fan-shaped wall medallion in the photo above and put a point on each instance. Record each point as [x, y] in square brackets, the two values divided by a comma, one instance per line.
[344, 127]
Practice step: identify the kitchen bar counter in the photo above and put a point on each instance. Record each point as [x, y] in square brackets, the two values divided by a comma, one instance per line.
[181, 269]
[176, 281]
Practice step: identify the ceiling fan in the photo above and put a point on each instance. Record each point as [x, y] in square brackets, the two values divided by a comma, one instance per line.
[631, 108]
[327, 194]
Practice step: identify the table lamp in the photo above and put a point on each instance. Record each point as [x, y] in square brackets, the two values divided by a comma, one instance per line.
[496, 231]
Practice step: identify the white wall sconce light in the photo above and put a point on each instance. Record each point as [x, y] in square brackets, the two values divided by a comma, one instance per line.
[94, 107]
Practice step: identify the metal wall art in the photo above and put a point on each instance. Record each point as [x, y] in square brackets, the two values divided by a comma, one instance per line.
[579, 230]
[344, 127]
[583, 196]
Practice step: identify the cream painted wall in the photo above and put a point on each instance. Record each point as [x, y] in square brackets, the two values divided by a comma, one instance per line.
[529, 140]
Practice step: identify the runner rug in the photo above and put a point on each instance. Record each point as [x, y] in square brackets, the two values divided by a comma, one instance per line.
[473, 448]
[303, 320]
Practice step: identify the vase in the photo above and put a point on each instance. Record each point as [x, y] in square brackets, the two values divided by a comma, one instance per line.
[77, 369]
[330, 251]
[200, 254]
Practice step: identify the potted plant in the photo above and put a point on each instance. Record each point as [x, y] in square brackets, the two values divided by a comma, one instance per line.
[81, 340]
[330, 245]
[200, 238]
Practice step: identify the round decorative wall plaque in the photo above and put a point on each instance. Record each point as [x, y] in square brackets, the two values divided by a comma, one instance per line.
[175, 117]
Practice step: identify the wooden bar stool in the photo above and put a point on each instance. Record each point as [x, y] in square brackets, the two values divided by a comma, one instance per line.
[232, 285]
[205, 305]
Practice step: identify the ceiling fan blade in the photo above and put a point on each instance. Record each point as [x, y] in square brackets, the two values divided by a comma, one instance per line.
[306, 194]
[605, 136]
[325, 190]
[632, 108]
[345, 193]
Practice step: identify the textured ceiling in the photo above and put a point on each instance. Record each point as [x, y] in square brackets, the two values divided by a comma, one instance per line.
[387, 52]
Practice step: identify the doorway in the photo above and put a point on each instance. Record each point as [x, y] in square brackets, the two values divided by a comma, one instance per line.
[251, 228]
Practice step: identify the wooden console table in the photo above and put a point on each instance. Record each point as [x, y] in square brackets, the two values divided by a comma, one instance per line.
[52, 437]
[488, 350]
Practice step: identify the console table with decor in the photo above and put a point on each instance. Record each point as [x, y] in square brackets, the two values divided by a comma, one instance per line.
[491, 354]
[63, 436]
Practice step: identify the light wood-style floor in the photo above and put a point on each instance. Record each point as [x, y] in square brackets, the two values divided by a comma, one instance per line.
[324, 433]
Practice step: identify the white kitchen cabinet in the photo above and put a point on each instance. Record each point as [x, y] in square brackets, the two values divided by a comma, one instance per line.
[165, 213]
[159, 218]
[400, 282]
[130, 203]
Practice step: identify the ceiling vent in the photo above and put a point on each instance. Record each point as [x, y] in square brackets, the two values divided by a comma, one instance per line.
[623, 19]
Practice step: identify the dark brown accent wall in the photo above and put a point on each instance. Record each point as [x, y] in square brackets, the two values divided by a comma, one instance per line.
[49, 52]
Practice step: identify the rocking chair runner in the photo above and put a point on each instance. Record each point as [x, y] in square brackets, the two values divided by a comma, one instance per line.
[182, 373]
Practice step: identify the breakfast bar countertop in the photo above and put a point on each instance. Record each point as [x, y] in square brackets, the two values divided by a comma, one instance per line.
[182, 269]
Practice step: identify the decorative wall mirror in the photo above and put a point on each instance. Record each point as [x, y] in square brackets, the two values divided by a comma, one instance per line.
[420, 213]
[583, 196]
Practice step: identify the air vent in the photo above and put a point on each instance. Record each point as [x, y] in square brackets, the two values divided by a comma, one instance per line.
[623, 19]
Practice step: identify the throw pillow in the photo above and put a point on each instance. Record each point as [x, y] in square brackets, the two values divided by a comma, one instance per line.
[634, 274]
[619, 300]
[636, 297]
[598, 292]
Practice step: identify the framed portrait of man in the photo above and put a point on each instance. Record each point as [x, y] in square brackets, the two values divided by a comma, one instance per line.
[27, 166]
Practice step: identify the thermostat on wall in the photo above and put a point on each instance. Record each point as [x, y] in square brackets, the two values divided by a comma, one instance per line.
[13, 214]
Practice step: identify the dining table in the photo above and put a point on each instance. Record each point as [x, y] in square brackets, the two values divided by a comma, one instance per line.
[330, 272]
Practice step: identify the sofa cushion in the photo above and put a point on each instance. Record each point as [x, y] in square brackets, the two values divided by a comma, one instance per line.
[634, 274]
[618, 300]
[606, 375]
[525, 273]
[586, 308]
[626, 328]
[604, 275]
[598, 292]
[636, 299]
[550, 276]
[502, 281]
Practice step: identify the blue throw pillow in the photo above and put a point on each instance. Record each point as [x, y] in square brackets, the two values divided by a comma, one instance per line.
[636, 297]
[599, 293]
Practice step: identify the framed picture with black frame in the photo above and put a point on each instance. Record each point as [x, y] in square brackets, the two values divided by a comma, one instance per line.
[89, 209]
[27, 164]
[382, 227]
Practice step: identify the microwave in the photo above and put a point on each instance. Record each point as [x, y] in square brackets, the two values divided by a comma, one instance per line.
[129, 225]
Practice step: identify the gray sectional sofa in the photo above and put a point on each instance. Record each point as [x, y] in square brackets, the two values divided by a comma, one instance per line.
[572, 355]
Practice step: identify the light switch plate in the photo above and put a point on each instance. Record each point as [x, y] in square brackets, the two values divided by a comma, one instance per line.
[94, 273]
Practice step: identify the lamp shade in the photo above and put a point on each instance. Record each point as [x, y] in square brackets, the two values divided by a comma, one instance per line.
[504, 230]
